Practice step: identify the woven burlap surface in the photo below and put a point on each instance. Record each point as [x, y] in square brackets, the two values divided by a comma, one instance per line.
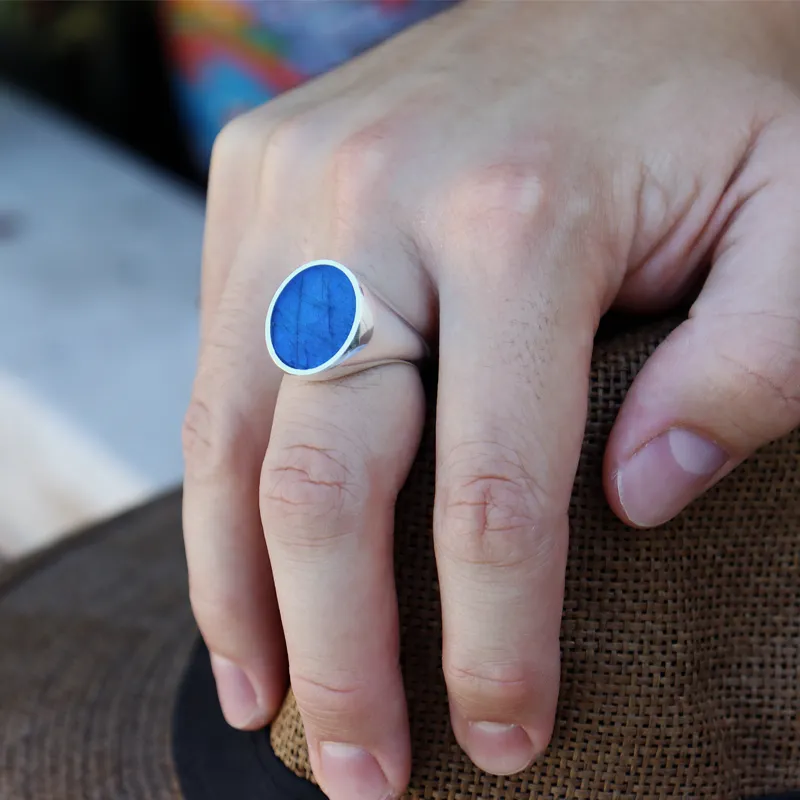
[94, 638]
[681, 646]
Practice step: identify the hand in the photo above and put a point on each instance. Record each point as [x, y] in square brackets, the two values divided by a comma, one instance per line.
[502, 175]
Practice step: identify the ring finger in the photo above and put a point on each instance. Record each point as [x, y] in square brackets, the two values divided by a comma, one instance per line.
[338, 455]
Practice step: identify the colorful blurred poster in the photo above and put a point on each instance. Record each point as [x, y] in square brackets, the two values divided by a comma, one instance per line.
[231, 55]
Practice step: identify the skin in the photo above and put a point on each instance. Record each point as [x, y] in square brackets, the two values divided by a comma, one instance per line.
[502, 175]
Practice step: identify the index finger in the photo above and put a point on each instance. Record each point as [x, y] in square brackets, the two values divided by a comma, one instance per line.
[512, 406]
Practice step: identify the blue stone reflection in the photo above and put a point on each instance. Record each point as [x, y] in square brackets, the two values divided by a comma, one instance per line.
[313, 317]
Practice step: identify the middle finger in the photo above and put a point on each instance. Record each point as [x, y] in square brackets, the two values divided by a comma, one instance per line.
[514, 363]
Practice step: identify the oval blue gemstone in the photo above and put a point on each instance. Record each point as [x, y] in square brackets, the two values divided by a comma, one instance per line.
[313, 316]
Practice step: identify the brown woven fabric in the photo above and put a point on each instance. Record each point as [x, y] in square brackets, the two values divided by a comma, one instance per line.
[94, 637]
[681, 646]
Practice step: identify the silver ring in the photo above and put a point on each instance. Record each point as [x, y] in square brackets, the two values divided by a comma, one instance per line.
[323, 323]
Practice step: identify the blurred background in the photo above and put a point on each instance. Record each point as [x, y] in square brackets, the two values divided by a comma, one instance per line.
[108, 110]
[101, 213]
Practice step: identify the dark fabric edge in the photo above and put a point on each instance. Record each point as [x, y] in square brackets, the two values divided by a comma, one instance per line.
[216, 762]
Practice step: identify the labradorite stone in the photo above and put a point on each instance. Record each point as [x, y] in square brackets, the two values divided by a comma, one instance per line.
[313, 316]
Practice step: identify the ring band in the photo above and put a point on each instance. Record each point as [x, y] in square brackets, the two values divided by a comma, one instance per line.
[323, 323]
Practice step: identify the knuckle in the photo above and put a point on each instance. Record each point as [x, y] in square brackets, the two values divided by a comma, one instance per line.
[289, 139]
[504, 686]
[289, 136]
[229, 140]
[214, 615]
[502, 202]
[764, 371]
[310, 481]
[358, 166]
[235, 139]
[332, 704]
[196, 432]
[501, 208]
[214, 441]
[492, 514]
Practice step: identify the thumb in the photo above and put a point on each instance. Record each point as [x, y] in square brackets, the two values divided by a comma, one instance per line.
[727, 380]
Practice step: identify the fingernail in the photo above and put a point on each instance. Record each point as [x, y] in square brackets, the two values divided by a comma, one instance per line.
[499, 749]
[666, 474]
[236, 693]
[350, 773]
